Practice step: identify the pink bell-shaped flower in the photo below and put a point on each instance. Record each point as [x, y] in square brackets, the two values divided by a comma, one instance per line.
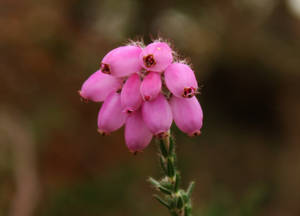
[111, 116]
[157, 115]
[122, 61]
[131, 98]
[151, 86]
[187, 114]
[137, 134]
[181, 80]
[157, 56]
[98, 86]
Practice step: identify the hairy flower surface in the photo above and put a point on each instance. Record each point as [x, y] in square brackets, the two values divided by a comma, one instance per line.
[144, 89]
[181, 80]
[122, 61]
[157, 56]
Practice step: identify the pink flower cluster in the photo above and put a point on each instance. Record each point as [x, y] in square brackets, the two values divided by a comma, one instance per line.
[145, 89]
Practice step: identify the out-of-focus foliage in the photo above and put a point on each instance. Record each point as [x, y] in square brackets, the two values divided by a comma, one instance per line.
[246, 55]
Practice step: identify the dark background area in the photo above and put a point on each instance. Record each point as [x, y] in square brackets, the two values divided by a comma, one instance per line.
[246, 55]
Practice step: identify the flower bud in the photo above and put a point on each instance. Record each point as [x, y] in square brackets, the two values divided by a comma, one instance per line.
[187, 114]
[131, 98]
[151, 86]
[137, 134]
[157, 115]
[181, 80]
[122, 61]
[157, 56]
[111, 116]
[98, 86]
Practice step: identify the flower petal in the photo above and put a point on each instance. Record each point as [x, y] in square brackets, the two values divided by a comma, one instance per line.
[137, 134]
[151, 86]
[181, 80]
[111, 116]
[187, 114]
[157, 56]
[122, 61]
[98, 86]
[131, 98]
[157, 115]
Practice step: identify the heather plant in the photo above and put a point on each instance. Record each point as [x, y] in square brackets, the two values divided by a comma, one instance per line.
[145, 88]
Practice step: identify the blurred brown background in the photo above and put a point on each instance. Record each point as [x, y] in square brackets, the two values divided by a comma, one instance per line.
[247, 57]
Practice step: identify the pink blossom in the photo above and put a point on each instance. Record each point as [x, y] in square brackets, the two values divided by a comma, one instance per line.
[151, 86]
[111, 116]
[181, 80]
[122, 61]
[131, 98]
[98, 86]
[142, 105]
[137, 134]
[157, 115]
[157, 56]
[187, 114]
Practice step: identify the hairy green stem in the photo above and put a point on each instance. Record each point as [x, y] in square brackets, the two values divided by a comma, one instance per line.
[177, 200]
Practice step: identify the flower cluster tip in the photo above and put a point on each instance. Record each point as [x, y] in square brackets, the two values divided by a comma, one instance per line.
[133, 81]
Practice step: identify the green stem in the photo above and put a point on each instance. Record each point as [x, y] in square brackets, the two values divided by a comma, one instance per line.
[177, 200]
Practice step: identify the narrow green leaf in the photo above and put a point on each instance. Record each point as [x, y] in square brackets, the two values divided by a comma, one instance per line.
[177, 181]
[171, 145]
[163, 148]
[167, 184]
[174, 158]
[185, 196]
[171, 168]
[165, 190]
[154, 182]
[162, 201]
[190, 188]
[187, 211]
[162, 164]
[179, 202]
[157, 185]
